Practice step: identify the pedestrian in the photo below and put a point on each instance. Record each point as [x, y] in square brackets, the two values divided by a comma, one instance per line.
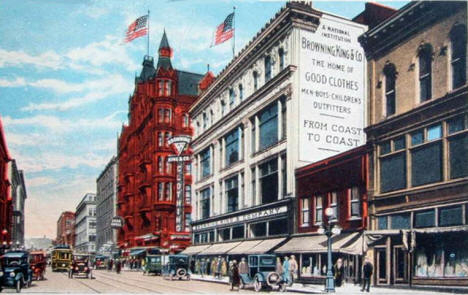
[279, 266]
[338, 270]
[235, 277]
[219, 265]
[286, 273]
[118, 265]
[203, 267]
[367, 270]
[243, 267]
[224, 267]
[293, 268]
[213, 267]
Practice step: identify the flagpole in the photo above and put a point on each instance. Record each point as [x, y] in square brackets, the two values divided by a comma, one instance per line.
[234, 32]
[148, 39]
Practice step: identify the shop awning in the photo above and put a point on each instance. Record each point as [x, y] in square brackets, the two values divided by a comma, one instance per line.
[265, 246]
[304, 244]
[218, 249]
[355, 246]
[194, 250]
[137, 251]
[244, 247]
[339, 241]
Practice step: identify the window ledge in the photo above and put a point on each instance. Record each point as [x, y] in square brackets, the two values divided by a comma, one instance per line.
[305, 225]
[269, 147]
[233, 165]
[205, 178]
[354, 218]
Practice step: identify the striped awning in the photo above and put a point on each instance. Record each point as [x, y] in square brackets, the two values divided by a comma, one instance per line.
[194, 250]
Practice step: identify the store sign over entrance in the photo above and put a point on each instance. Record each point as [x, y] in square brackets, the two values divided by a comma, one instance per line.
[332, 89]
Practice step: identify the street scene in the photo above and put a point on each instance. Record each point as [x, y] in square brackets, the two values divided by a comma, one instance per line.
[234, 146]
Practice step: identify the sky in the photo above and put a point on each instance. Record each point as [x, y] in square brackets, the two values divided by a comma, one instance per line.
[66, 76]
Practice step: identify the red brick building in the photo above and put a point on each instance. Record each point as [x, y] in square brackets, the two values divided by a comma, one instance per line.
[339, 182]
[6, 208]
[158, 110]
[66, 229]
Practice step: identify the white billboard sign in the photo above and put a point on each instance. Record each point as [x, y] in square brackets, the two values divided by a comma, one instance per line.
[332, 89]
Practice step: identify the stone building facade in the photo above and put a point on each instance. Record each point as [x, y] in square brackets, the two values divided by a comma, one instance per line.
[106, 200]
[6, 209]
[418, 133]
[85, 224]
[66, 229]
[18, 198]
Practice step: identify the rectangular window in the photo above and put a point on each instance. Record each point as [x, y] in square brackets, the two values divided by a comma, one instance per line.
[269, 181]
[278, 227]
[252, 135]
[168, 191]
[382, 222]
[238, 232]
[434, 132]
[399, 143]
[161, 115]
[385, 148]
[267, 68]
[255, 80]
[450, 216]
[253, 185]
[188, 194]
[232, 147]
[417, 137]
[390, 94]
[268, 126]
[223, 107]
[400, 221]
[456, 124]
[188, 220]
[284, 120]
[334, 204]
[161, 190]
[458, 154]
[305, 212]
[232, 98]
[393, 172]
[232, 193]
[167, 115]
[259, 229]
[458, 61]
[205, 162]
[284, 175]
[281, 58]
[241, 92]
[425, 79]
[355, 202]
[424, 218]
[224, 234]
[160, 139]
[318, 209]
[426, 164]
[205, 196]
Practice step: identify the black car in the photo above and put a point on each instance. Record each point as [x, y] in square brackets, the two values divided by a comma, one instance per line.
[80, 266]
[176, 267]
[15, 272]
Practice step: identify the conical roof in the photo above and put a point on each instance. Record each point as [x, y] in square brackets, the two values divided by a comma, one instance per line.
[164, 43]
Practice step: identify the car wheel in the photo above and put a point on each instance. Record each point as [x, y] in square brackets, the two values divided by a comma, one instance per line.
[18, 286]
[257, 285]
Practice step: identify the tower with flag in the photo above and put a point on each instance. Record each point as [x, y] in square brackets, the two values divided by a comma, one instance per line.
[158, 110]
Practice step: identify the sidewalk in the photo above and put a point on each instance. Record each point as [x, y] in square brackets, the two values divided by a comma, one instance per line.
[347, 289]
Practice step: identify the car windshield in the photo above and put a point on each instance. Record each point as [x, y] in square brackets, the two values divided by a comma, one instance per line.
[63, 255]
[37, 258]
[155, 259]
[178, 260]
[264, 261]
[12, 261]
[80, 257]
[267, 268]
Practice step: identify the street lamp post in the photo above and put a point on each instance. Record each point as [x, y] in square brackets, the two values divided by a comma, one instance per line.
[329, 229]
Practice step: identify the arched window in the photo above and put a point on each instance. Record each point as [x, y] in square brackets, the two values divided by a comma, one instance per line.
[425, 72]
[241, 92]
[390, 95]
[255, 80]
[281, 58]
[458, 60]
[267, 68]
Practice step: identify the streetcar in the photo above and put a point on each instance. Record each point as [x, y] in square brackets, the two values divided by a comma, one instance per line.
[61, 258]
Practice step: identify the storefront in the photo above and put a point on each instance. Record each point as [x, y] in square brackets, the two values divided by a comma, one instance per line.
[311, 253]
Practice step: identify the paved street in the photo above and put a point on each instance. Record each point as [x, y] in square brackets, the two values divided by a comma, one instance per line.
[135, 282]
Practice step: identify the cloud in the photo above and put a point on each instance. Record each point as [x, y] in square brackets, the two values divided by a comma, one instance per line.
[97, 90]
[18, 82]
[40, 181]
[49, 59]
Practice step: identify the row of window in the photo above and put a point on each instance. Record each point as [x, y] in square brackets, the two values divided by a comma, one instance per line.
[268, 127]
[312, 208]
[435, 217]
[232, 189]
[425, 58]
[239, 232]
[236, 93]
[427, 153]
[166, 116]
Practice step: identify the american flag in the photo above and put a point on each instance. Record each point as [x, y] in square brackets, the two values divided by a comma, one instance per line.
[225, 31]
[137, 29]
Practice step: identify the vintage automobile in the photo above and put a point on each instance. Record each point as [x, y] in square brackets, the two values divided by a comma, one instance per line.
[262, 274]
[37, 261]
[80, 266]
[100, 262]
[153, 264]
[176, 267]
[16, 272]
[61, 258]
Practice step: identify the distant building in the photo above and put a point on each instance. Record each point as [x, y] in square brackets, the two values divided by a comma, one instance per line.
[18, 194]
[66, 229]
[43, 243]
[106, 199]
[6, 210]
[85, 224]
[147, 197]
[418, 132]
